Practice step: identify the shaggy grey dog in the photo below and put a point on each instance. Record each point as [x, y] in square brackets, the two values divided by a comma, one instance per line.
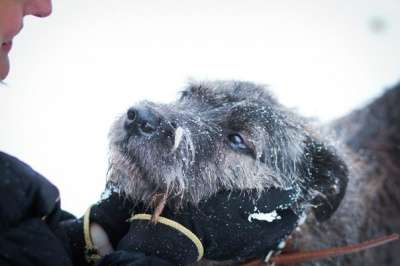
[371, 206]
[230, 135]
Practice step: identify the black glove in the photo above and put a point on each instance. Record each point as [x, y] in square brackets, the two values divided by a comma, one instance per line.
[126, 258]
[25, 193]
[111, 213]
[230, 225]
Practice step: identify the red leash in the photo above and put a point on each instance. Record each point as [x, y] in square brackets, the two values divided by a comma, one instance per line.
[303, 256]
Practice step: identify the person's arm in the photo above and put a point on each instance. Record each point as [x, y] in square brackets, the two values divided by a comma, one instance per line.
[93, 237]
[29, 210]
[32, 243]
[228, 226]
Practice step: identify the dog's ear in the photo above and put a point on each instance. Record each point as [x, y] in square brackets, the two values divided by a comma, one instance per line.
[328, 177]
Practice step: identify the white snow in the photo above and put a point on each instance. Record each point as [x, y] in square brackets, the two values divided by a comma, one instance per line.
[268, 217]
[106, 194]
[178, 138]
[282, 244]
[302, 219]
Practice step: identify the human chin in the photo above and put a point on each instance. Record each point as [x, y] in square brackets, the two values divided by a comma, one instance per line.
[4, 65]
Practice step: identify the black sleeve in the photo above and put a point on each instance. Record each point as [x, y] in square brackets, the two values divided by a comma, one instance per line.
[29, 211]
[32, 243]
[230, 225]
[23, 193]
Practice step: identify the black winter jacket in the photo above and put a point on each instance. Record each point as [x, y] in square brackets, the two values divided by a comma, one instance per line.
[29, 215]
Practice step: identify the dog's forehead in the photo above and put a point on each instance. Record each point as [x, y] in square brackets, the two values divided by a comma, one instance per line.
[235, 105]
[226, 92]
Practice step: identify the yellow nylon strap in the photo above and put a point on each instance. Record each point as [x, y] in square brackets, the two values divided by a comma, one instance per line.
[177, 226]
[91, 253]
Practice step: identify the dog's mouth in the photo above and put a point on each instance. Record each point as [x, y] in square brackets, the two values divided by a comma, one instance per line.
[173, 141]
[142, 162]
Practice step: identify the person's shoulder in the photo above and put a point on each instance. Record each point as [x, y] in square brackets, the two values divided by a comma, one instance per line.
[12, 165]
[8, 161]
[6, 157]
[20, 176]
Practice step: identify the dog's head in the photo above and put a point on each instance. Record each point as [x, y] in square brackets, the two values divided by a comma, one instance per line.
[223, 135]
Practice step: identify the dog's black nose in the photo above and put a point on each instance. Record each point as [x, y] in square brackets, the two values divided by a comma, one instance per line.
[141, 121]
[131, 114]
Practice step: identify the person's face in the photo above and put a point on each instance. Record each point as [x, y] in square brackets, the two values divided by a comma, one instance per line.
[12, 13]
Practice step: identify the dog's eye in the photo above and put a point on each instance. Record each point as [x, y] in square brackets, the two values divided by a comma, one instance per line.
[237, 141]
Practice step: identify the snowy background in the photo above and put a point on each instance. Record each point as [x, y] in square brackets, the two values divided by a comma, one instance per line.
[74, 72]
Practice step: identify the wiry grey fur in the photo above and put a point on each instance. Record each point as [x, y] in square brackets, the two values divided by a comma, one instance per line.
[371, 206]
[190, 158]
[203, 162]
